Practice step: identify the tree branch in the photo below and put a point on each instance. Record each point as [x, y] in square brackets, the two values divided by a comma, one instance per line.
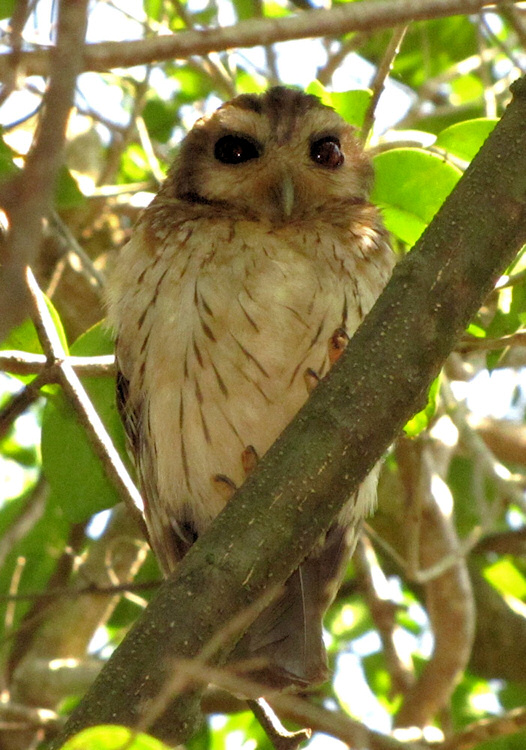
[364, 16]
[292, 497]
[26, 198]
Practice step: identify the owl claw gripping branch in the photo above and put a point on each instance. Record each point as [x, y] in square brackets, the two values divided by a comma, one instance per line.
[252, 267]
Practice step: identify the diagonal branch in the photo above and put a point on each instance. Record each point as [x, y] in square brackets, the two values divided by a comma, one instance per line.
[292, 497]
[368, 15]
[63, 373]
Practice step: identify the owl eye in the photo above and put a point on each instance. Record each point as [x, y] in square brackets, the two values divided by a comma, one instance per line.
[327, 152]
[234, 149]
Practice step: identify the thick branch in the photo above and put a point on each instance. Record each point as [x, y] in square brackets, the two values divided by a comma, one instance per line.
[364, 16]
[292, 497]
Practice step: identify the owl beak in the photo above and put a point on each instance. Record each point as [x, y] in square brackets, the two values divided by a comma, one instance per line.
[287, 195]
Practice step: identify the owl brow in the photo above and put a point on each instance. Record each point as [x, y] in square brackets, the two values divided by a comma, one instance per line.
[333, 133]
[241, 134]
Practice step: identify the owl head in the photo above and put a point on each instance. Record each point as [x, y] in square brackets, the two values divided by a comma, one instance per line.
[281, 156]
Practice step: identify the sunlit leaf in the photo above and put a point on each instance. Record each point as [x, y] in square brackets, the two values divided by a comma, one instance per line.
[474, 330]
[7, 165]
[351, 105]
[67, 192]
[24, 338]
[506, 578]
[464, 139]
[112, 737]
[160, 117]
[77, 479]
[6, 8]
[421, 420]
[34, 553]
[410, 186]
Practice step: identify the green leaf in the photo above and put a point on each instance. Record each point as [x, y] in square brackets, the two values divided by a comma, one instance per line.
[39, 548]
[250, 83]
[194, 85]
[25, 338]
[75, 474]
[465, 89]
[67, 192]
[273, 9]
[202, 740]
[351, 105]
[350, 620]
[463, 480]
[476, 331]
[153, 9]
[134, 165]
[113, 737]
[421, 420]
[465, 138]
[410, 186]
[7, 165]
[25, 455]
[244, 9]
[160, 118]
[6, 8]
[429, 48]
[506, 578]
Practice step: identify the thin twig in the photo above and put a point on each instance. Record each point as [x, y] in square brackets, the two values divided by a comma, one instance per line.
[90, 271]
[18, 21]
[298, 709]
[274, 729]
[506, 485]
[485, 729]
[30, 513]
[27, 197]
[89, 589]
[383, 613]
[378, 82]
[348, 46]
[25, 363]
[21, 401]
[472, 343]
[181, 680]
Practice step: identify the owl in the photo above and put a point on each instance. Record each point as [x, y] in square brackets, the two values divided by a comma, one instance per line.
[241, 284]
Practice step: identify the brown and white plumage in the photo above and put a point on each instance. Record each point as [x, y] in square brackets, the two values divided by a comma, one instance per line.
[259, 245]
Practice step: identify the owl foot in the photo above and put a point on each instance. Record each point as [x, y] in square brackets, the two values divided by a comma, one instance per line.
[249, 459]
[224, 485]
[337, 343]
[311, 379]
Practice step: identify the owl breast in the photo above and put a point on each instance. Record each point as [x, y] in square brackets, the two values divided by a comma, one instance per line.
[239, 313]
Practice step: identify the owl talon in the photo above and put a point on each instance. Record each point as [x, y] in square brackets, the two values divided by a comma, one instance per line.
[337, 343]
[224, 485]
[249, 459]
[311, 379]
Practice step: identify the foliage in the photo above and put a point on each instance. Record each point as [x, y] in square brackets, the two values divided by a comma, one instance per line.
[457, 476]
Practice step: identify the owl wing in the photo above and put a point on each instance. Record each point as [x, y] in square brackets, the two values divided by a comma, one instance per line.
[169, 542]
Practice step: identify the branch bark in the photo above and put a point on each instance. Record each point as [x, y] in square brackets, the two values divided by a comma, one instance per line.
[351, 418]
[364, 16]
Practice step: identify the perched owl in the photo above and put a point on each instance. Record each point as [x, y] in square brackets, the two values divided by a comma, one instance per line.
[243, 279]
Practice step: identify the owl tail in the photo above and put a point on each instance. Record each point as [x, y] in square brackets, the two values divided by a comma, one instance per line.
[288, 634]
